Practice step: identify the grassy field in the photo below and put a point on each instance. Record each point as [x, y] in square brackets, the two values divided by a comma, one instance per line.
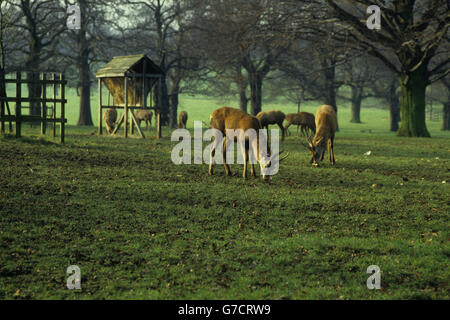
[141, 227]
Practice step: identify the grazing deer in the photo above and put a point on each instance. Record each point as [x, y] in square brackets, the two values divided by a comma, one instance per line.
[304, 119]
[226, 118]
[272, 117]
[144, 115]
[326, 123]
[110, 117]
[182, 119]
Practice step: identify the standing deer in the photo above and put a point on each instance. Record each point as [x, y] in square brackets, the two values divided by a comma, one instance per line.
[272, 117]
[227, 118]
[304, 119]
[182, 119]
[326, 123]
[110, 117]
[144, 115]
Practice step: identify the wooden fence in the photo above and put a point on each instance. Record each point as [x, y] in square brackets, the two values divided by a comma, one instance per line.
[47, 105]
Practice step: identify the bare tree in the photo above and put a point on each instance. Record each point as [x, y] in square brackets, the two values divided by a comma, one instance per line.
[41, 23]
[8, 35]
[84, 47]
[358, 74]
[446, 106]
[411, 34]
[244, 36]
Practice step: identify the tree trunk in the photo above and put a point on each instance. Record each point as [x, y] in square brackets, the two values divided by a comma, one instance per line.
[164, 106]
[173, 105]
[85, 118]
[357, 93]
[413, 86]
[173, 109]
[255, 81]
[394, 107]
[330, 89]
[243, 100]
[34, 91]
[446, 116]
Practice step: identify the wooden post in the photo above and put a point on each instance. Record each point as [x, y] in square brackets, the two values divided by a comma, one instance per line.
[158, 111]
[2, 114]
[44, 105]
[158, 124]
[100, 107]
[2, 103]
[18, 104]
[144, 85]
[63, 110]
[54, 106]
[125, 118]
[131, 111]
[151, 93]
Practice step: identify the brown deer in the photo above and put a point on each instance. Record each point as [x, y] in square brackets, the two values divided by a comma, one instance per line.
[227, 118]
[272, 117]
[304, 119]
[110, 117]
[144, 115]
[326, 123]
[182, 119]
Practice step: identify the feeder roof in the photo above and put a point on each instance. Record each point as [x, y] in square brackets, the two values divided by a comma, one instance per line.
[120, 65]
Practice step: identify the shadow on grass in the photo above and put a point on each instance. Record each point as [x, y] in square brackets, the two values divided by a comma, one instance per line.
[30, 140]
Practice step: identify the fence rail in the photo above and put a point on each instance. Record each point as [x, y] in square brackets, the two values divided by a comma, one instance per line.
[42, 81]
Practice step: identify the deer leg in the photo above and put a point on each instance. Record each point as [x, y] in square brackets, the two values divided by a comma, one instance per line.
[212, 154]
[331, 151]
[244, 151]
[224, 158]
[282, 131]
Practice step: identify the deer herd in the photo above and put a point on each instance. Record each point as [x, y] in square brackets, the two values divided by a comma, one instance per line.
[319, 131]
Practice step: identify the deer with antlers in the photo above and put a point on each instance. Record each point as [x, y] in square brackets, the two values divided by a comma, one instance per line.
[326, 123]
[230, 120]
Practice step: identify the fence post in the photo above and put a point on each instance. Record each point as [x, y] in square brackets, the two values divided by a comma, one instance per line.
[100, 124]
[2, 103]
[158, 110]
[18, 104]
[44, 104]
[54, 106]
[125, 114]
[63, 113]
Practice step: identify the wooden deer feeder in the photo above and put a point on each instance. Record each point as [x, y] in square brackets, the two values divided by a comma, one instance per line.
[130, 81]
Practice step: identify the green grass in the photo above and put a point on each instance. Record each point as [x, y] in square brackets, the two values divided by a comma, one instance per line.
[140, 227]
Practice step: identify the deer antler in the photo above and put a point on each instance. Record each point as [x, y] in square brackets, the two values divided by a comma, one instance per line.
[283, 158]
[309, 139]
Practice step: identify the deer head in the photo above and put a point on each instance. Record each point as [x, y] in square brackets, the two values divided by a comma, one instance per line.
[317, 150]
